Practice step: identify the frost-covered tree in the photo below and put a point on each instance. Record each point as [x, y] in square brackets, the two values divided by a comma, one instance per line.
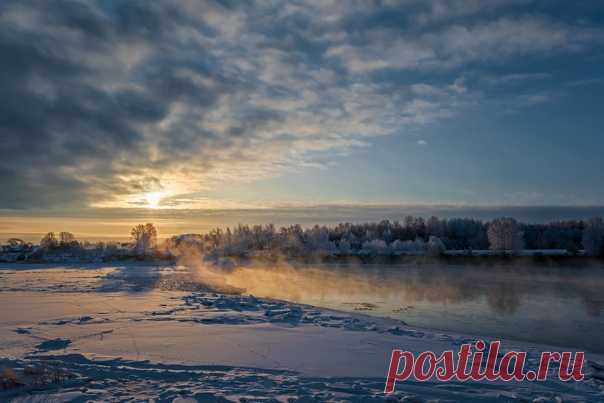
[344, 247]
[417, 246]
[292, 240]
[504, 234]
[593, 237]
[375, 247]
[66, 238]
[145, 237]
[16, 243]
[49, 241]
[435, 246]
[411, 236]
[435, 227]
[317, 240]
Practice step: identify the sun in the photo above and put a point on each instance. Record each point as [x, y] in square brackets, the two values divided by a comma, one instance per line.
[153, 199]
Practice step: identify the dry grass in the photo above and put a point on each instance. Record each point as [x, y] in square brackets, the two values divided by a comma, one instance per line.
[35, 375]
[9, 379]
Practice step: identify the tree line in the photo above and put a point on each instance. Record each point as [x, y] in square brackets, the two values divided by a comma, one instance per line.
[412, 235]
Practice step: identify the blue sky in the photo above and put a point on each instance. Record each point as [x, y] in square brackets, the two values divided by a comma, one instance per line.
[219, 104]
[543, 154]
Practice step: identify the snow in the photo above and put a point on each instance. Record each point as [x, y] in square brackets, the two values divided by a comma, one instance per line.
[136, 332]
[522, 252]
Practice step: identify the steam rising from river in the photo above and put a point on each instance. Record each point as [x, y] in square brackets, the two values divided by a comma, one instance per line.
[283, 280]
[501, 288]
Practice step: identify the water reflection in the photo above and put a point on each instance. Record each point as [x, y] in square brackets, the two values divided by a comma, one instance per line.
[503, 287]
[554, 305]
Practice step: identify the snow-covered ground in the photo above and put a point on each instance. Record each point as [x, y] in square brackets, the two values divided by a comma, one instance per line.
[140, 333]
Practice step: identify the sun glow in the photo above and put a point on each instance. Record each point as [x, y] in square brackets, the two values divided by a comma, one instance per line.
[153, 199]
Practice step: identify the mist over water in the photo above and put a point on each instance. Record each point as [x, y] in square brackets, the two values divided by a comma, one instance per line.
[557, 305]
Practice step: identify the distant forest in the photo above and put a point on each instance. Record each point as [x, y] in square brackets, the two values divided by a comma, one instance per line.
[412, 235]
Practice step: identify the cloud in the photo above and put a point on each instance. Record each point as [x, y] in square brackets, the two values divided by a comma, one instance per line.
[422, 142]
[103, 102]
[455, 45]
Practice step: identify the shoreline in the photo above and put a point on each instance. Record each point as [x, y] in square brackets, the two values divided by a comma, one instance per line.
[456, 257]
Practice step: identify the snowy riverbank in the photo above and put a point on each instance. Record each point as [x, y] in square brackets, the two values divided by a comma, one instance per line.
[142, 333]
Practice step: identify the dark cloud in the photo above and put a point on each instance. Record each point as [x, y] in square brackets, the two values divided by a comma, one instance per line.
[68, 113]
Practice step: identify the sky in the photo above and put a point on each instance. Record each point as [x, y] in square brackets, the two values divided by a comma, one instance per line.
[182, 105]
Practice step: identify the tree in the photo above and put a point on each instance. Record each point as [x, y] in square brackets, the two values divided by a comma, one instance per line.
[593, 237]
[67, 239]
[504, 234]
[375, 247]
[145, 237]
[16, 243]
[435, 227]
[435, 247]
[344, 247]
[49, 241]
